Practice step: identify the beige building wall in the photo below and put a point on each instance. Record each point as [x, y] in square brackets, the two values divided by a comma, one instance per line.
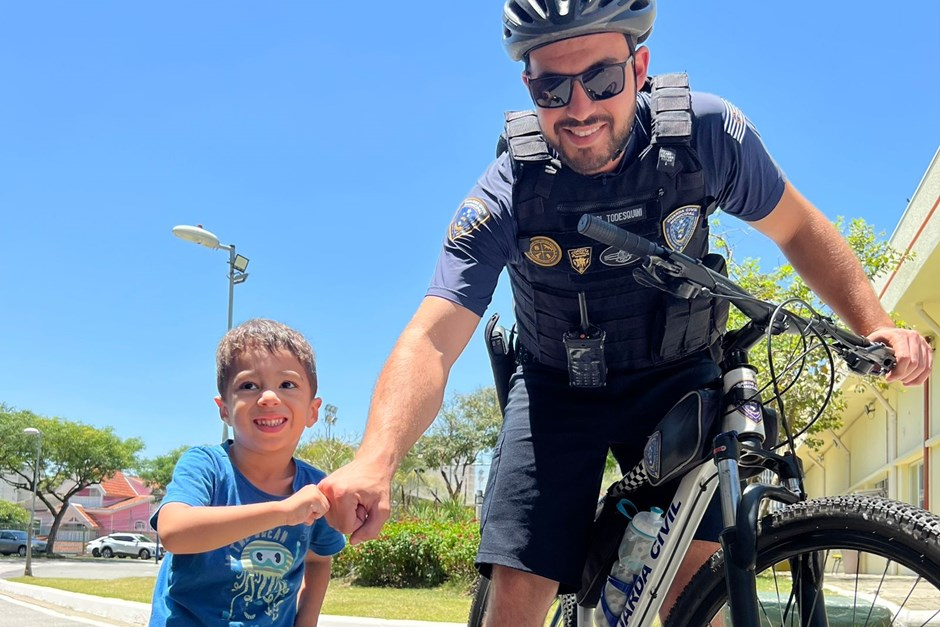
[889, 442]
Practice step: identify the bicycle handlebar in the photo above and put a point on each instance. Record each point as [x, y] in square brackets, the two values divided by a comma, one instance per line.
[695, 279]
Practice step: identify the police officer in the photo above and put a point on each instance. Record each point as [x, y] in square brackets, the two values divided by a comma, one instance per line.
[601, 357]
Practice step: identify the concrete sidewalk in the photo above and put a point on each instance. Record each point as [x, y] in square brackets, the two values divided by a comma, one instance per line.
[130, 614]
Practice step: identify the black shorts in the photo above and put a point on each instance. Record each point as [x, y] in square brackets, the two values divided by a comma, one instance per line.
[546, 473]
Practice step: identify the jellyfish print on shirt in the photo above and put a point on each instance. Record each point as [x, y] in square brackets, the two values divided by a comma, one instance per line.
[260, 583]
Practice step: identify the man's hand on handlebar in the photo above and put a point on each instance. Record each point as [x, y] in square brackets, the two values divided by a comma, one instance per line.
[913, 354]
[359, 500]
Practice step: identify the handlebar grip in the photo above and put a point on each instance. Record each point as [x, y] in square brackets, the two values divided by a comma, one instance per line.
[612, 235]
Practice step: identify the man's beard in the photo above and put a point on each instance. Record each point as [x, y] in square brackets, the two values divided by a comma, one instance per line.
[590, 161]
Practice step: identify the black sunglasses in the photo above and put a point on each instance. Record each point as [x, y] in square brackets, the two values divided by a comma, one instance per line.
[600, 83]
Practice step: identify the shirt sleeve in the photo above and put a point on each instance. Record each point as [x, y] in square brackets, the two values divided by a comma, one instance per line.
[480, 240]
[192, 482]
[740, 173]
[324, 540]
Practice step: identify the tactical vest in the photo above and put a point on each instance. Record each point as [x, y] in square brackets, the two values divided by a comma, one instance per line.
[660, 196]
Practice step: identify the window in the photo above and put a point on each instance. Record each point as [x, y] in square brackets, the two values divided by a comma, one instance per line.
[140, 526]
[916, 476]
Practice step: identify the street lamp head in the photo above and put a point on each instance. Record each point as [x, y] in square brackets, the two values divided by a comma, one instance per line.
[240, 262]
[32, 431]
[197, 235]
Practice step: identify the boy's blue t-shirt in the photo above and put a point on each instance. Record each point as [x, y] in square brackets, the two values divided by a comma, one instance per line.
[254, 581]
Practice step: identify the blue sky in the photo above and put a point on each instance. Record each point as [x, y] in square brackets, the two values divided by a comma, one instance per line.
[332, 143]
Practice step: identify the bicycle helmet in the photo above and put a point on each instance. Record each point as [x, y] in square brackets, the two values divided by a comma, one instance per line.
[528, 24]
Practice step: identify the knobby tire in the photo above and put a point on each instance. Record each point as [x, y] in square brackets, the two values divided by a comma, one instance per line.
[901, 533]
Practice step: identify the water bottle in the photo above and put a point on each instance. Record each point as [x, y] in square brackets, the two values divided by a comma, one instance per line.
[634, 548]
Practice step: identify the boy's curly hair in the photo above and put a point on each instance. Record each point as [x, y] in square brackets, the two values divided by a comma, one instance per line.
[269, 335]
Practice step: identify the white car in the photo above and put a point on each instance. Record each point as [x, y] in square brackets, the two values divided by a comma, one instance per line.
[123, 545]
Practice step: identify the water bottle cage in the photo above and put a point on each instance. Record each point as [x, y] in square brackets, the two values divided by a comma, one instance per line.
[622, 586]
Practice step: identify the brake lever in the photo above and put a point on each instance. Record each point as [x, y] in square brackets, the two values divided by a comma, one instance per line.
[861, 355]
[876, 358]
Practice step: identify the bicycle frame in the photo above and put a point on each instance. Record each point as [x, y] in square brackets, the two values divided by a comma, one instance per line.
[681, 519]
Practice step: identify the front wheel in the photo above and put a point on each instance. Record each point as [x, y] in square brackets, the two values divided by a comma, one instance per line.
[880, 565]
[563, 612]
[144, 554]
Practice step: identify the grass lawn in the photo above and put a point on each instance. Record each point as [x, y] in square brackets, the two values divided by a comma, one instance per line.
[444, 603]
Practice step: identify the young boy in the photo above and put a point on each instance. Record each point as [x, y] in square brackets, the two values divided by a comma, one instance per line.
[242, 520]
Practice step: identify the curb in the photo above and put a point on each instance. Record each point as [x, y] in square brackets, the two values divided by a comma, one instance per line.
[138, 614]
[127, 612]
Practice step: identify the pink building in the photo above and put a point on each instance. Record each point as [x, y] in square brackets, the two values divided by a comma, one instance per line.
[120, 503]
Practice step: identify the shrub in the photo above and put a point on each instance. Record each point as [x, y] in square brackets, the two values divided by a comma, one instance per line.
[413, 553]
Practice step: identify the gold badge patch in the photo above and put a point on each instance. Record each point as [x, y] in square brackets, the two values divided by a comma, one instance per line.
[544, 251]
[580, 259]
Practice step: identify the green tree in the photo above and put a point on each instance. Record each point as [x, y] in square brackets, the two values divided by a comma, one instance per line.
[13, 516]
[467, 425]
[326, 453]
[73, 457]
[158, 471]
[408, 478]
[804, 397]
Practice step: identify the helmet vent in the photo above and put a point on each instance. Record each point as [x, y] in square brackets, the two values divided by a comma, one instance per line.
[520, 15]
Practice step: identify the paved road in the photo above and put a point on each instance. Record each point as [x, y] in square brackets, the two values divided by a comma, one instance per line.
[15, 613]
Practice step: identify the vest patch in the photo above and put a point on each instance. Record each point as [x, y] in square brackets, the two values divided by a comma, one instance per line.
[543, 251]
[472, 213]
[614, 257]
[667, 160]
[580, 259]
[631, 214]
[679, 226]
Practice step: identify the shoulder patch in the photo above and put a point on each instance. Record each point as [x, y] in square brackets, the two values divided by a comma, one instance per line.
[735, 122]
[472, 213]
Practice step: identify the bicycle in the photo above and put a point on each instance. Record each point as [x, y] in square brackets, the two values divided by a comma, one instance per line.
[788, 550]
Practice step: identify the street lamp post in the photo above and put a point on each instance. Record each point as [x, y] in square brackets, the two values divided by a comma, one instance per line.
[330, 411]
[32, 510]
[237, 266]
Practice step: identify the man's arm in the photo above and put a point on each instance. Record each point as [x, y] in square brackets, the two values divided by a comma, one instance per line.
[826, 262]
[407, 397]
[312, 589]
[188, 529]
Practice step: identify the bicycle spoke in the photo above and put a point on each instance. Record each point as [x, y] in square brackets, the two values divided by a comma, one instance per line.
[795, 595]
[871, 609]
[777, 590]
[904, 602]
